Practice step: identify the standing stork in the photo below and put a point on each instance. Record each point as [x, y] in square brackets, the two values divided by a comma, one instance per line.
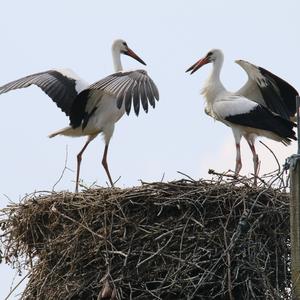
[94, 109]
[262, 107]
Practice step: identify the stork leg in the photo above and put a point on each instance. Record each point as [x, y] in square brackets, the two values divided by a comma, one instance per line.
[255, 160]
[105, 165]
[79, 157]
[238, 161]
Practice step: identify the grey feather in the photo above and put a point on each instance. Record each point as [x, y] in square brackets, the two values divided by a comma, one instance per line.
[135, 86]
[59, 87]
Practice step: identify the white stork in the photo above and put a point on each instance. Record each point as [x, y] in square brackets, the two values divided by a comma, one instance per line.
[94, 109]
[262, 107]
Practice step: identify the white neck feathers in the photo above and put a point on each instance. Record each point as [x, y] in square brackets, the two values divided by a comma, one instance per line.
[116, 55]
[213, 86]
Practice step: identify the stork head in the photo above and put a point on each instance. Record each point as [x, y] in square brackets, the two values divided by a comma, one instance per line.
[213, 56]
[121, 47]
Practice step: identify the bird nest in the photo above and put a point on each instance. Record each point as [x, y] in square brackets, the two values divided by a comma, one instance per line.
[207, 239]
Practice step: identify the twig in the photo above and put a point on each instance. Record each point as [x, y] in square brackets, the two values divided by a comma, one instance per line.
[157, 252]
[187, 176]
[63, 171]
[11, 292]
[276, 159]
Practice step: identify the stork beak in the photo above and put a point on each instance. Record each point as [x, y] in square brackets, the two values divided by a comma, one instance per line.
[198, 65]
[129, 52]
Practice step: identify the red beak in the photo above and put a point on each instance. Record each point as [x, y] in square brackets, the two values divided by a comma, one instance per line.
[129, 52]
[198, 65]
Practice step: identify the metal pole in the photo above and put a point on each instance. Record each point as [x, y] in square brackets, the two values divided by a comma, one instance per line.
[295, 213]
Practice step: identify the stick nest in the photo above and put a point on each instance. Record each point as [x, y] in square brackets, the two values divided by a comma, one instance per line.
[207, 239]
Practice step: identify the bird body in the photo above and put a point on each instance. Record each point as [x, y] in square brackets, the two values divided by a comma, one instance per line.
[95, 108]
[102, 120]
[251, 111]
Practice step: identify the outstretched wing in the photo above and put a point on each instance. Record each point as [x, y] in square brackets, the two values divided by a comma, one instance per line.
[62, 86]
[130, 87]
[127, 87]
[269, 90]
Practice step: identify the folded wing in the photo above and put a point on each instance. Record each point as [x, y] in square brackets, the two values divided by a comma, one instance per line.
[243, 112]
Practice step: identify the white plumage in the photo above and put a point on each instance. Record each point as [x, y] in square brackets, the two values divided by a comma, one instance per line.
[262, 107]
[94, 109]
[80, 84]
[229, 105]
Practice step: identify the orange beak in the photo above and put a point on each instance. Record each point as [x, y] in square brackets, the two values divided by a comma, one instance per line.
[201, 62]
[129, 52]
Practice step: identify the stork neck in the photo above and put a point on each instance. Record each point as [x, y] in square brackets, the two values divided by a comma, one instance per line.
[213, 86]
[117, 60]
[215, 74]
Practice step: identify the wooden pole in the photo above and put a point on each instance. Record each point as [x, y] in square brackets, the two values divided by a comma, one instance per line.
[295, 214]
[298, 123]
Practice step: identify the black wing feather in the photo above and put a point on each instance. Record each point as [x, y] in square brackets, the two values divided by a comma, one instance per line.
[143, 96]
[60, 88]
[149, 94]
[274, 101]
[127, 97]
[136, 99]
[78, 113]
[287, 93]
[135, 86]
[261, 118]
[128, 101]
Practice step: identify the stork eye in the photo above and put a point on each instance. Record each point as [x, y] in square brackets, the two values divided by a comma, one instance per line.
[209, 53]
[125, 44]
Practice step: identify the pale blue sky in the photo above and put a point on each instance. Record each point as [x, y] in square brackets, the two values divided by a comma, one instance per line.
[169, 36]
